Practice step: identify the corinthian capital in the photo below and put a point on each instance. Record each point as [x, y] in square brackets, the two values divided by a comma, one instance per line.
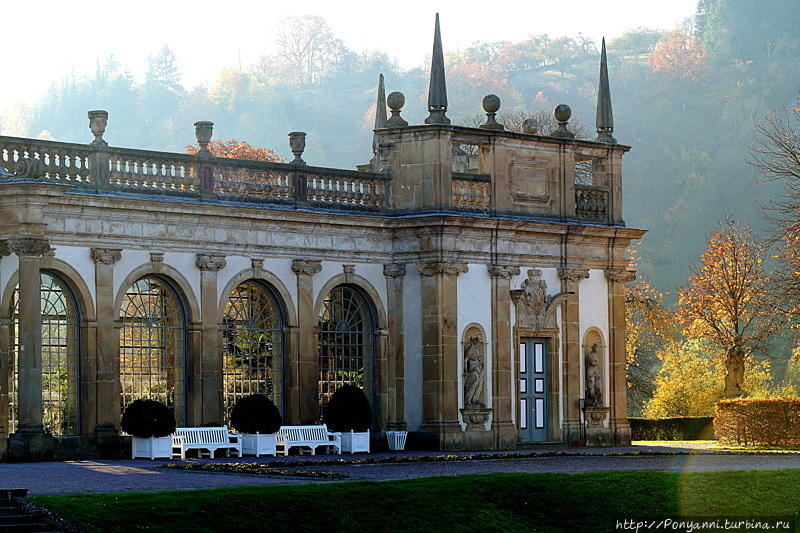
[210, 262]
[27, 246]
[502, 271]
[575, 275]
[309, 267]
[620, 276]
[394, 270]
[106, 256]
[441, 267]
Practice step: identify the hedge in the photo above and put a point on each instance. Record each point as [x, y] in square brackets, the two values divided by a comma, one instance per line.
[758, 422]
[678, 428]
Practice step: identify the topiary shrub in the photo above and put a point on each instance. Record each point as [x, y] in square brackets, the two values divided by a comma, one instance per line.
[758, 422]
[148, 418]
[348, 410]
[255, 414]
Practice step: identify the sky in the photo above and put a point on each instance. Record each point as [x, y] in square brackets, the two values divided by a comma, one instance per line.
[56, 39]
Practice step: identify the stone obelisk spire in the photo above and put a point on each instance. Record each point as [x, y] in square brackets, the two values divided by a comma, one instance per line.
[437, 90]
[380, 112]
[605, 118]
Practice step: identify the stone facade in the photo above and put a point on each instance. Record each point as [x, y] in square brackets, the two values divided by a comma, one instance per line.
[431, 252]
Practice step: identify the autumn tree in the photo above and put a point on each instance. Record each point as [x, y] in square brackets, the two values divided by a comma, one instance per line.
[680, 56]
[238, 150]
[728, 301]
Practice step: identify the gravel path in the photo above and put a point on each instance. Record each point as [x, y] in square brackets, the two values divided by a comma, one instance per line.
[94, 476]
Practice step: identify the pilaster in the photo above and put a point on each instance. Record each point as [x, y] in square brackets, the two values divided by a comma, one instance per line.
[395, 274]
[106, 383]
[307, 371]
[617, 373]
[505, 433]
[573, 359]
[206, 378]
[440, 354]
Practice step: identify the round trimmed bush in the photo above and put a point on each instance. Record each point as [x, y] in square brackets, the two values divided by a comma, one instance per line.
[148, 418]
[348, 410]
[255, 414]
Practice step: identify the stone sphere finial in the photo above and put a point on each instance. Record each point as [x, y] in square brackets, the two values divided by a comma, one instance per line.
[491, 103]
[562, 113]
[396, 100]
[530, 126]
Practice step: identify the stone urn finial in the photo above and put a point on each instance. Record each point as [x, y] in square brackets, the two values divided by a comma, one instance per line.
[297, 143]
[98, 120]
[203, 130]
[561, 113]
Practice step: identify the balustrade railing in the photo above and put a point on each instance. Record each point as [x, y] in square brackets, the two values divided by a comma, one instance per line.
[343, 188]
[591, 202]
[151, 172]
[470, 192]
[47, 160]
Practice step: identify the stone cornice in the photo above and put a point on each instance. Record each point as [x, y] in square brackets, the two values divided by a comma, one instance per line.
[394, 270]
[441, 268]
[308, 267]
[620, 276]
[28, 246]
[106, 256]
[208, 262]
[502, 271]
[574, 275]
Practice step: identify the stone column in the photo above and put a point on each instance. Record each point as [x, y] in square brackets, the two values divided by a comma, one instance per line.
[440, 354]
[307, 372]
[395, 273]
[617, 374]
[205, 376]
[29, 441]
[503, 428]
[573, 359]
[106, 383]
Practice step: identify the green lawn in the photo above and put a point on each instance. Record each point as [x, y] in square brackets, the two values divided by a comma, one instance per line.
[492, 502]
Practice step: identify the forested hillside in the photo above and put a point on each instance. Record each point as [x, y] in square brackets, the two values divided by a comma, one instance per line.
[686, 100]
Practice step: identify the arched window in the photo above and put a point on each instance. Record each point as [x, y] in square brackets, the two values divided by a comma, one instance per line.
[346, 342]
[253, 345]
[60, 358]
[152, 342]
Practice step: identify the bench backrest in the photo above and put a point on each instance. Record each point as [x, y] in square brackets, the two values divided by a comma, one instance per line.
[305, 433]
[207, 435]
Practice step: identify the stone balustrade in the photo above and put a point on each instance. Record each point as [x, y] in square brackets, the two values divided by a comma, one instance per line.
[591, 202]
[470, 192]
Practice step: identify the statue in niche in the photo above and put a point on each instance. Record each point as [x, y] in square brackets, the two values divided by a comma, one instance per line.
[594, 381]
[734, 366]
[474, 371]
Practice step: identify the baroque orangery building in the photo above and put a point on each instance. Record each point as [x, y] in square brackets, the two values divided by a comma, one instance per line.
[470, 280]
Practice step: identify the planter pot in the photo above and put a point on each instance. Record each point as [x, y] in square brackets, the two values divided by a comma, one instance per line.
[151, 447]
[396, 439]
[258, 444]
[355, 441]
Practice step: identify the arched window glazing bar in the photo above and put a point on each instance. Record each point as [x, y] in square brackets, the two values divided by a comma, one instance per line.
[60, 358]
[152, 346]
[253, 345]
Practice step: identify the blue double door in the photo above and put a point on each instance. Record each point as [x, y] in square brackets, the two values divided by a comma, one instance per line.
[532, 390]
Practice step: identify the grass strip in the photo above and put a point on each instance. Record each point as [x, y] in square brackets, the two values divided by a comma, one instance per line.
[492, 502]
[252, 469]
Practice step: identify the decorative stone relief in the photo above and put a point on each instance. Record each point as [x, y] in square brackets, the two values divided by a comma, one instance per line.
[593, 377]
[27, 246]
[210, 262]
[257, 265]
[308, 267]
[106, 256]
[30, 168]
[394, 270]
[156, 260]
[531, 301]
[349, 271]
[441, 267]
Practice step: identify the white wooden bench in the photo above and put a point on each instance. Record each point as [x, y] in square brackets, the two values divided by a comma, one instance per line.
[311, 437]
[209, 439]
